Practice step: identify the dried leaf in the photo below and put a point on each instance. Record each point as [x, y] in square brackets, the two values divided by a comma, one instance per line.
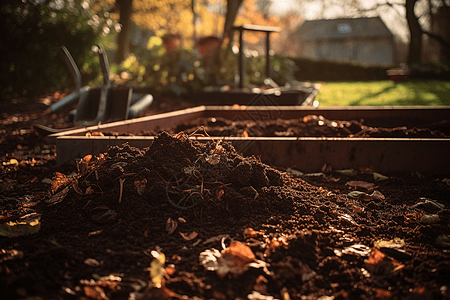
[347, 172]
[379, 264]
[426, 201]
[446, 181]
[357, 249]
[348, 219]
[377, 195]
[356, 184]
[89, 191]
[21, 227]
[60, 180]
[83, 164]
[242, 254]
[395, 243]
[234, 260]
[171, 226]
[181, 220]
[379, 177]
[357, 194]
[76, 188]
[92, 262]
[295, 172]
[95, 292]
[188, 237]
[141, 186]
[430, 219]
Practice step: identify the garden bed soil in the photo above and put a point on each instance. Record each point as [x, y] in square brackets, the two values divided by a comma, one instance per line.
[277, 235]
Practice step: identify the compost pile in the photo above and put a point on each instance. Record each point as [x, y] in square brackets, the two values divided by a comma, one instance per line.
[181, 219]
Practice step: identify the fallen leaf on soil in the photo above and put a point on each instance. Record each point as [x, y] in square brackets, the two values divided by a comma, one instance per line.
[21, 227]
[46, 181]
[393, 244]
[91, 262]
[181, 220]
[76, 188]
[140, 185]
[347, 172]
[60, 180]
[430, 219]
[242, 254]
[188, 237]
[380, 264]
[348, 219]
[234, 260]
[102, 214]
[295, 172]
[358, 195]
[82, 165]
[356, 184]
[95, 292]
[171, 226]
[446, 180]
[89, 191]
[10, 255]
[426, 201]
[357, 249]
[379, 177]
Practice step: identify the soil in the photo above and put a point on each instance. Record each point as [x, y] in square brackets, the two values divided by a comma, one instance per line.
[181, 219]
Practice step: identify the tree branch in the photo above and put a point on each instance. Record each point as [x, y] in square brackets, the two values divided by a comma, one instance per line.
[437, 38]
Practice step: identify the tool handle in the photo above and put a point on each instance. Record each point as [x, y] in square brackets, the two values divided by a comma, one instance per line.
[72, 66]
[104, 64]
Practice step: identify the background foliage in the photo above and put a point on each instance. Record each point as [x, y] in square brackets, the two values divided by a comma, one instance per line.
[33, 32]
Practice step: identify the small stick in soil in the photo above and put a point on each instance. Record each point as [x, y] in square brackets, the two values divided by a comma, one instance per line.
[121, 181]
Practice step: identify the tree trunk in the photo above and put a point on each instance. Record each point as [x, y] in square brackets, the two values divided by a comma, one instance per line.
[415, 43]
[125, 10]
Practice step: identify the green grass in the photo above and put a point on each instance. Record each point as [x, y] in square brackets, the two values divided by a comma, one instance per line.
[384, 93]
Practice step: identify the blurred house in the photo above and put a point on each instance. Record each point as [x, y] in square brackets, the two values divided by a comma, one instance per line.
[363, 40]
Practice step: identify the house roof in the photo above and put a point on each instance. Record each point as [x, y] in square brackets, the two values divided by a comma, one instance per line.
[343, 28]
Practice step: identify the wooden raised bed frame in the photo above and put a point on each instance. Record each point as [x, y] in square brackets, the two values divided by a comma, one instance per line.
[428, 156]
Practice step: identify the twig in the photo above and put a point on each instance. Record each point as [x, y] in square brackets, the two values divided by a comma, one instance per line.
[121, 181]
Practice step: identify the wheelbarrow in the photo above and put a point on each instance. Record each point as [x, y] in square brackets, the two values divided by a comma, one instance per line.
[103, 104]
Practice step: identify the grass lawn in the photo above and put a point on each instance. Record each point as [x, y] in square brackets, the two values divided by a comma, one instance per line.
[384, 93]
